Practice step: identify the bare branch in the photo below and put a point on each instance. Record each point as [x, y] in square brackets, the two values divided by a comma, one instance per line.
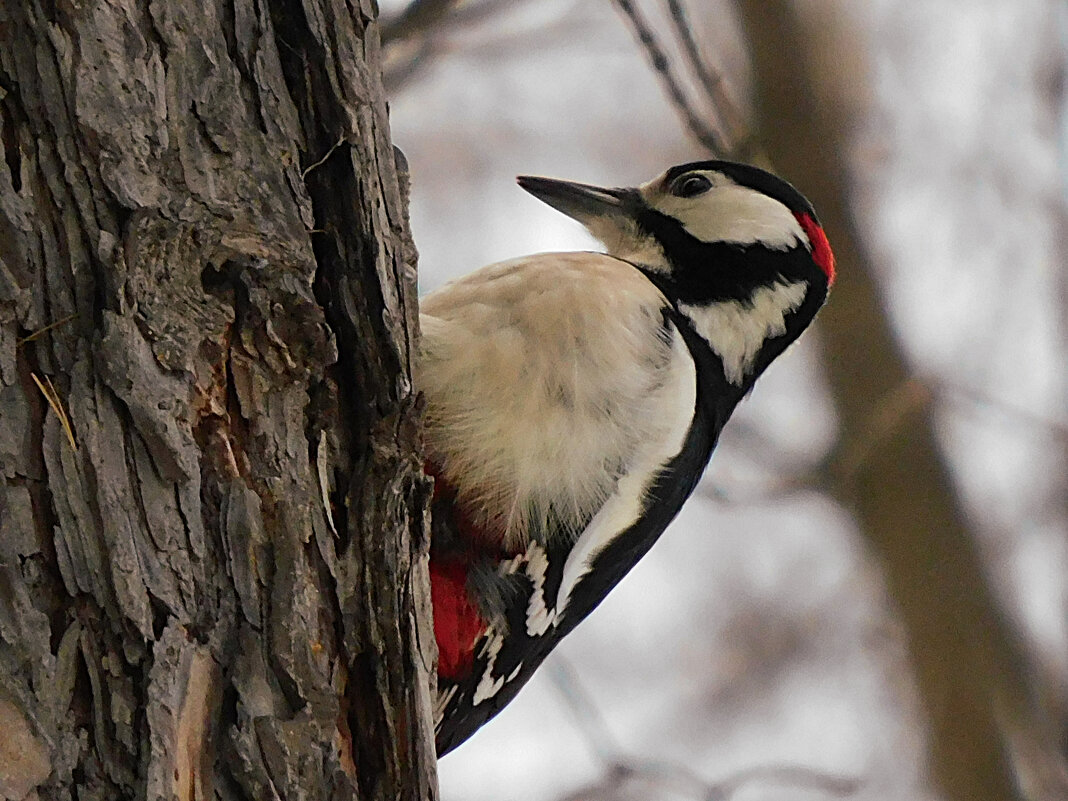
[758, 493]
[472, 12]
[797, 776]
[730, 120]
[398, 75]
[887, 417]
[585, 712]
[895, 411]
[958, 393]
[421, 30]
[661, 64]
[621, 768]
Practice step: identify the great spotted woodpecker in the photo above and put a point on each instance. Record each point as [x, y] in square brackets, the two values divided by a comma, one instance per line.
[574, 399]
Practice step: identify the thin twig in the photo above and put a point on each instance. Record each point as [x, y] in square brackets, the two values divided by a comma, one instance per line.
[960, 393]
[471, 12]
[426, 17]
[424, 35]
[42, 331]
[731, 122]
[890, 414]
[397, 76]
[320, 162]
[777, 490]
[792, 775]
[620, 768]
[585, 712]
[50, 394]
[897, 408]
[660, 62]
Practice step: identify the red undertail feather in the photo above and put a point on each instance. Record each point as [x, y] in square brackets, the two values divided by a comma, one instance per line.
[457, 623]
[821, 248]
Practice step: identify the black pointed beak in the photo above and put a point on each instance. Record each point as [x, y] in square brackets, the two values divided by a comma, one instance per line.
[581, 202]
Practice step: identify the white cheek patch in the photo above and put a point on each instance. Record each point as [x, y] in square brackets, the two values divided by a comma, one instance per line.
[737, 331]
[734, 214]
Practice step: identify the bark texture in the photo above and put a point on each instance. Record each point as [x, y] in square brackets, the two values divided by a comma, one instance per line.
[213, 573]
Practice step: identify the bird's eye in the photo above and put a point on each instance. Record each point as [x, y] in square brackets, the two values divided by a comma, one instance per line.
[691, 185]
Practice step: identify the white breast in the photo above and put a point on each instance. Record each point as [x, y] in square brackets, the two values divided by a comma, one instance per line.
[545, 380]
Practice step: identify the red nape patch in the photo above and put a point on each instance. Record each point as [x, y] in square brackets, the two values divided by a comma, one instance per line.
[457, 623]
[821, 248]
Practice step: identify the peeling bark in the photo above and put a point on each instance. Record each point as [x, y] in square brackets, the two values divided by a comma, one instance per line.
[221, 591]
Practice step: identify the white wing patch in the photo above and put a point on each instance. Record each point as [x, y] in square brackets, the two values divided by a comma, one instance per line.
[489, 685]
[736, 330]
[534, 562]
[678, 398]
[539, 617]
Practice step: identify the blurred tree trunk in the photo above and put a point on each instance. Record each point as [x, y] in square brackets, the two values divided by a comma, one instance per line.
[212, 512]
[1057, 95]
[970, 671]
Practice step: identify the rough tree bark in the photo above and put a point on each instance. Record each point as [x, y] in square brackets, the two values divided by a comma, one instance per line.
[212, 511]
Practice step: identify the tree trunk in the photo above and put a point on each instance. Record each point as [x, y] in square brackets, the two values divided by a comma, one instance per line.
[971, 672]
[213, 524]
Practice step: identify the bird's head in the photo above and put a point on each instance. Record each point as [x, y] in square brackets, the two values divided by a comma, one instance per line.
[737, 250]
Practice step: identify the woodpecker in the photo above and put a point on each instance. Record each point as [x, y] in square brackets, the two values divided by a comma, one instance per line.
[574, 399]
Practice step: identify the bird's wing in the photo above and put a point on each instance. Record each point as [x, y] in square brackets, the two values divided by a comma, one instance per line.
[557, 390]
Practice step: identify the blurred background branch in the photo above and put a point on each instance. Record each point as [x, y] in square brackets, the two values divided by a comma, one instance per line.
[970, 666]
[622, 770]
[729, 118]
[971, 671]
[711, 136]
[414, 36]
[417, 19]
